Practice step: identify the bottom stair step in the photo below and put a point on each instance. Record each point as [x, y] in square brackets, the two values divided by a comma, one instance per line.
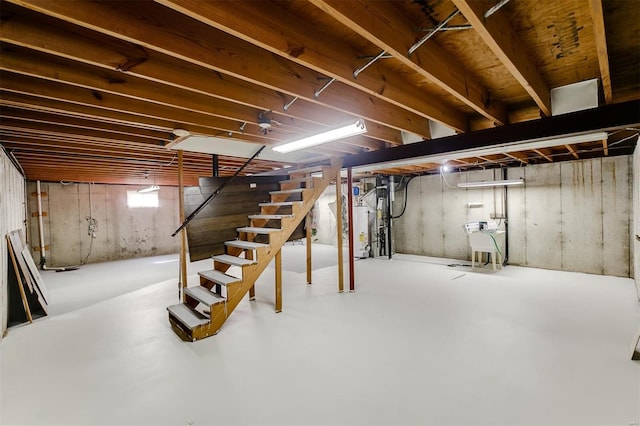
[187, 316]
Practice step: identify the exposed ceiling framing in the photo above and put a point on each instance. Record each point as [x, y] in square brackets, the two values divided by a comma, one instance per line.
[91, 91]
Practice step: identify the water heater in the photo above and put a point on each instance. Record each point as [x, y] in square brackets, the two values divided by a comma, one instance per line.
[361, 231]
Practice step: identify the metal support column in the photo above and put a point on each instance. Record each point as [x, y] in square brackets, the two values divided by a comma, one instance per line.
[352, 285]
[279, 281]
[339, 229]
[182, 282]
[215, 166]
[308, 231]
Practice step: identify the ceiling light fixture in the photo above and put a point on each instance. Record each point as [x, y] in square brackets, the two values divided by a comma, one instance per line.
[352, 129]
[491, 183]
[151, 188]
[181, 133]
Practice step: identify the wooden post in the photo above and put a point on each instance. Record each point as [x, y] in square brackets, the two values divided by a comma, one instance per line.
[23, 295]
[339, 226]
[182, 282]
[248, 254]
[308, 228]
[352, 285]
[279, 281]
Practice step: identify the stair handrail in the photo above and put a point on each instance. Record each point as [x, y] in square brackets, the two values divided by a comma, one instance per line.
[216, 192]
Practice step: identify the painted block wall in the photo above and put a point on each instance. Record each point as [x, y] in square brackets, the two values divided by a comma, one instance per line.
[572, 216]
[121, 233]
[635, 237]
[12, 217]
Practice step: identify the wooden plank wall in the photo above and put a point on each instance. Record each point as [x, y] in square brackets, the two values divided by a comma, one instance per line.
[218, 221]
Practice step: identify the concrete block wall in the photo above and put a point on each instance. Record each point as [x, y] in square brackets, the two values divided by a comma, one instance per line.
[121, 233]
[571, 216]
[636, 218]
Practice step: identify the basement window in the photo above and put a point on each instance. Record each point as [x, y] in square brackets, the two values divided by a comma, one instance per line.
[137, 199]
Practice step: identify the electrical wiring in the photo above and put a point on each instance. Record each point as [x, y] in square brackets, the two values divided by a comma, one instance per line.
[406, 197]
[445, 179]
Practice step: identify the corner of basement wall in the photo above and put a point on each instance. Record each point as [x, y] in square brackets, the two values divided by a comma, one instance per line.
[635, 229]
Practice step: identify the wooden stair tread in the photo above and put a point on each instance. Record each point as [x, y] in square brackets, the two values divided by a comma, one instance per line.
[233, 260]
[280, 204]
[245, 244]
[255, 230]
[289, 191]
[270, 216]
[204, 296]
[219, 277]
[298, 179]
[187, 316]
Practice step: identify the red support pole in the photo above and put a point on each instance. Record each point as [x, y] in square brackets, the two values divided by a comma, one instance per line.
[352, 285]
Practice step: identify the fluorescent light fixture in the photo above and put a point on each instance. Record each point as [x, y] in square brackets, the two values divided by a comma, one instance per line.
[495, 149]
[151, 188]
[352, 129]
[490, 183]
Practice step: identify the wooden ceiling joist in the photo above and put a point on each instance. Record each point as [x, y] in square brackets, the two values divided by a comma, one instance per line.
[573, 152]
[113, 79]
[394, 34]
[198, 45]
[497, 33]
[544, 153]
[105, 82]
[275, 30]
[58, 91]
[154, 136]
[112, 54]
[601, 48]
[523, 158]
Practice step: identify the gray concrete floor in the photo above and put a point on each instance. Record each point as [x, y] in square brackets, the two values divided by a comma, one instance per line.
[419, 342]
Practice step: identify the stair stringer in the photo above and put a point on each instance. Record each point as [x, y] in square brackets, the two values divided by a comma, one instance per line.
[236, 292]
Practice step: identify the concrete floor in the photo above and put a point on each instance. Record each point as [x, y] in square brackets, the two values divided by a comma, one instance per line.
[419, 342]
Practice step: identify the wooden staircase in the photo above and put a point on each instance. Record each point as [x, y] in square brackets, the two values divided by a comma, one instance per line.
[205, 308]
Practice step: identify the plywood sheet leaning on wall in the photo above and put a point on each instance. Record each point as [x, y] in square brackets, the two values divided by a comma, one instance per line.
[635, 347]
[26, 281]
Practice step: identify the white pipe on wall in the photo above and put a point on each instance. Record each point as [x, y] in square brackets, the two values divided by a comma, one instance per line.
[43, 256]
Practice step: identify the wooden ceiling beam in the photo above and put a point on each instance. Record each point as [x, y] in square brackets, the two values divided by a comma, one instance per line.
[122, 56]
[488, 160]
[544, 153]
[497, 33]
[523, 158]
[276, 30]
[49, 144]
[381, 24]
[573, 152]
[58, 91]
[88, 134]
[200, 44]
[62, 108]
[601, 48]
[103, 81]
[83, 123]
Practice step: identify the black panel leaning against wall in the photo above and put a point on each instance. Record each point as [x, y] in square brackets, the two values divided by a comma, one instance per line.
[218, 221]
